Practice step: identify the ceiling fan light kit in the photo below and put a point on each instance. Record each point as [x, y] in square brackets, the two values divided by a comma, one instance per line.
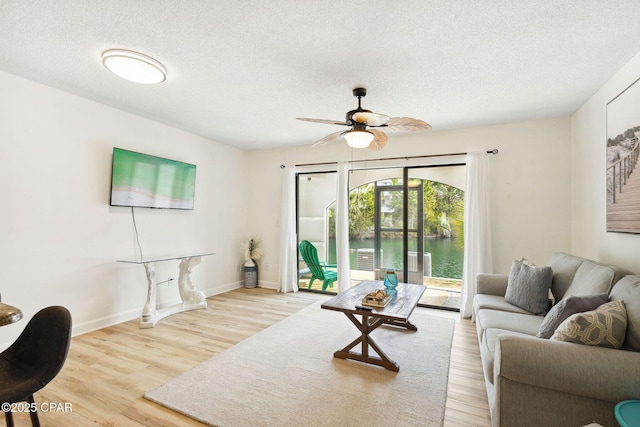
[358, 138]
[134, 66]
[359, 119]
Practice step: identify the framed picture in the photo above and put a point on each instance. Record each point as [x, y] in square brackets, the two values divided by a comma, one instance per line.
[623, 180]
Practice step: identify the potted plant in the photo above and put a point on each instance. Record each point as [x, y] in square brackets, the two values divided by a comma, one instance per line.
[252, 253]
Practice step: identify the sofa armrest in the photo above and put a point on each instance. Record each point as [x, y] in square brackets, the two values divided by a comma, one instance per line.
[492, 284]
[582, 370]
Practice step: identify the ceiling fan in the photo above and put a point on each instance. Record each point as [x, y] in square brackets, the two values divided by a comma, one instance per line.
[360, 119]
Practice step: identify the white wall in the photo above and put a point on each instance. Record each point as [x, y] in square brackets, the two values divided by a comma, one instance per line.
[530, 194]
[588, 151]
[59, 236]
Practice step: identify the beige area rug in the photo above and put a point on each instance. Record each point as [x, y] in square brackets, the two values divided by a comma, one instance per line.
[286, 375]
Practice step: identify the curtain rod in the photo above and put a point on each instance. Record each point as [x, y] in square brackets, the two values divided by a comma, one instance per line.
[494, 151]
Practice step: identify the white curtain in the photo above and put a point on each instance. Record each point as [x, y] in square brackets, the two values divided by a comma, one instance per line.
[477, 231]
[342, 228]
[288, 274]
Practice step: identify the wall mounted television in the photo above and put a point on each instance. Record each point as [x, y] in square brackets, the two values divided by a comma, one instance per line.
[145, 181]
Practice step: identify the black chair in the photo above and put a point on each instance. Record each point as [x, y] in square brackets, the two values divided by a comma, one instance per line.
[34, 359]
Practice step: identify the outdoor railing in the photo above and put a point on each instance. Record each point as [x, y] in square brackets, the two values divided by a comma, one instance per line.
[621, 169]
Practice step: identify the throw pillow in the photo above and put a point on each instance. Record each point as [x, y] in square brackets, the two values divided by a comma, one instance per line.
[603, 327]
[568, 307]
[526, 261]
[528, 287]
[552, 298]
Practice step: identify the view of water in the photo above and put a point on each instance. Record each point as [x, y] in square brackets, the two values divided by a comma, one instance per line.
[446, 256]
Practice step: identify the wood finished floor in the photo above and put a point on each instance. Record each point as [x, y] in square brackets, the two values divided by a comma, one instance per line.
[107, 371]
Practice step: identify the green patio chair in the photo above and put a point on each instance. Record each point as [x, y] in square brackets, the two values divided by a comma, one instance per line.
[319, 269]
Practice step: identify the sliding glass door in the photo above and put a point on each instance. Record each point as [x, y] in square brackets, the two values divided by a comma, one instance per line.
[316, 195]
[405, 219]
[392, 225]
[439, 262]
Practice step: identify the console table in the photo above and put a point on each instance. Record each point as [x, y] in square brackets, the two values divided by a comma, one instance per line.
[191, 299]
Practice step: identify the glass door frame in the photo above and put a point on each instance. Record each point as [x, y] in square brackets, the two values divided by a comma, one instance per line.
[326, 251]
[418, 230]
[419, 226]
[405, 180]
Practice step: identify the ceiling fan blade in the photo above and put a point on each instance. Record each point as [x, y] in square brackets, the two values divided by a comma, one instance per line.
[370, 119]
[379, 141]
[329, 138]
[407, 124]
[329, 122]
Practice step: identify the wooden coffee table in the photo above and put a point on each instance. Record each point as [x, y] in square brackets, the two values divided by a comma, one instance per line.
[396, 313]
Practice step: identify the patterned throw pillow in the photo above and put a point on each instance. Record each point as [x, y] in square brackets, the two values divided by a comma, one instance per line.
[604, 327]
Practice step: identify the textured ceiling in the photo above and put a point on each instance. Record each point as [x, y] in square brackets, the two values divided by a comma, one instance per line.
[241, 72]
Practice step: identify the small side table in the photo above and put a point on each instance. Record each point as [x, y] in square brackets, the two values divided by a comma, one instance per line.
[628, 413]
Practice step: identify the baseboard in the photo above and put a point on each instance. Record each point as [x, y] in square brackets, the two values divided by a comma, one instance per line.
[222, 289]
[103, 322]
[268, 285]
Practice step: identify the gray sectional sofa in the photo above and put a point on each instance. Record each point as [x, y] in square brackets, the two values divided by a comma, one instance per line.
[534, 381]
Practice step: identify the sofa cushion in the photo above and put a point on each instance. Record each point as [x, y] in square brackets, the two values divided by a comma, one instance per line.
[528, 287]
[628, 290]
[495, 302]
[619, 273]
[591, 278]
[564, 267]
[603, 327]
[517, 322]
[567, 307]
[487, 350]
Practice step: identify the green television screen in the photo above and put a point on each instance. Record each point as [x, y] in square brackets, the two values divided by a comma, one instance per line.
[142, 180]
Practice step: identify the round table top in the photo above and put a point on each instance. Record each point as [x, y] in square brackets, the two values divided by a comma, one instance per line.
[628, 413]
[9, 314]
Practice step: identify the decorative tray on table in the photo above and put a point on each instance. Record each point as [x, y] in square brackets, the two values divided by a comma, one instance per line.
[377, 298]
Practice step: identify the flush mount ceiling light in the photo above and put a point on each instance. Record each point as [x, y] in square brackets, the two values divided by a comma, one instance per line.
[359, 138]
[134, 66]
